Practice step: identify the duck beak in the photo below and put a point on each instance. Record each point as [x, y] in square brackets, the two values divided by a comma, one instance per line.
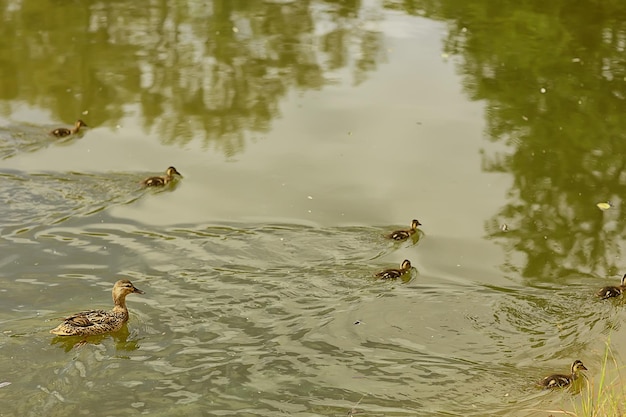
[138, 291]
[583, 367]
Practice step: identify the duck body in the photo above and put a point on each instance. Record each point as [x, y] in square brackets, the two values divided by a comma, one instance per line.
[405, 234]
[394, 273]
[91, 323]
[161, 181]
[94, 322]
[560, 380]
[612, 291]
[62, 132]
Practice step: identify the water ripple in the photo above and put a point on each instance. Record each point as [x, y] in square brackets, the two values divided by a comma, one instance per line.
[243, 317]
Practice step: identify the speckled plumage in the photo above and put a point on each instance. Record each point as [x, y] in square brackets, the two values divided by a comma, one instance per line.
[405, 234]
[395, 273]
[559, 380]
[162, 180]
[94, 322]
[62, 132]
[612, 291]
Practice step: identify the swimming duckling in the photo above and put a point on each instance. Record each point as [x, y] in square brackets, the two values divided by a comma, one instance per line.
[395, 273]
[94, 322]
[163, 180]
[560, 381]
[62, 132]
[405, 234]
[610, 291]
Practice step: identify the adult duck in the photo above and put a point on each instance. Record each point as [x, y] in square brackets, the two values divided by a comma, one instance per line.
[95, 322]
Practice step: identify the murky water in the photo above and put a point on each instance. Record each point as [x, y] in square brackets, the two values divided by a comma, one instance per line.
[305, 132]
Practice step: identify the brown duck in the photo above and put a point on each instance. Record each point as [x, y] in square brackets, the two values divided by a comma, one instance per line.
[161, 180]
[559, 380]
[610, 291]
[94, 322]
[62, 132]
[395, 273]
[405, 234]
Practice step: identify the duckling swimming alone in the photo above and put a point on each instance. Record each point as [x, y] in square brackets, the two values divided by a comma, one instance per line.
[560, 381]
[162, 180]
[395, 273]
[405, 234]
[94, 322]
[62, 132]
[610, 291]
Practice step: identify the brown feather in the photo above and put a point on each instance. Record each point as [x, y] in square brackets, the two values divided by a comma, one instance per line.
[394, 273]
[405, 234]
[160, 181]
[95, 322]
[559, 380]
[62, 132]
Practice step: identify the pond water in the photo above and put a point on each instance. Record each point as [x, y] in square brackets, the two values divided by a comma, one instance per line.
[305, 132]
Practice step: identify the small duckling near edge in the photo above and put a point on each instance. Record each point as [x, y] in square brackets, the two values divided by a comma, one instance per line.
[162, 180]
[559, 380]
[95, 322]
[395, 273]
[611, 291]
[405, 234]
[62, 132]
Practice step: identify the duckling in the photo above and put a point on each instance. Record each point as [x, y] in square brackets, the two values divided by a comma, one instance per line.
[162, 180]
[395, 273]
[608, 292]
[560, 381]
[62, 132]
[405, 234]
[94, 322]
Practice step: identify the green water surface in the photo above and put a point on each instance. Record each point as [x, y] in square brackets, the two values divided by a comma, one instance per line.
[305, 131]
